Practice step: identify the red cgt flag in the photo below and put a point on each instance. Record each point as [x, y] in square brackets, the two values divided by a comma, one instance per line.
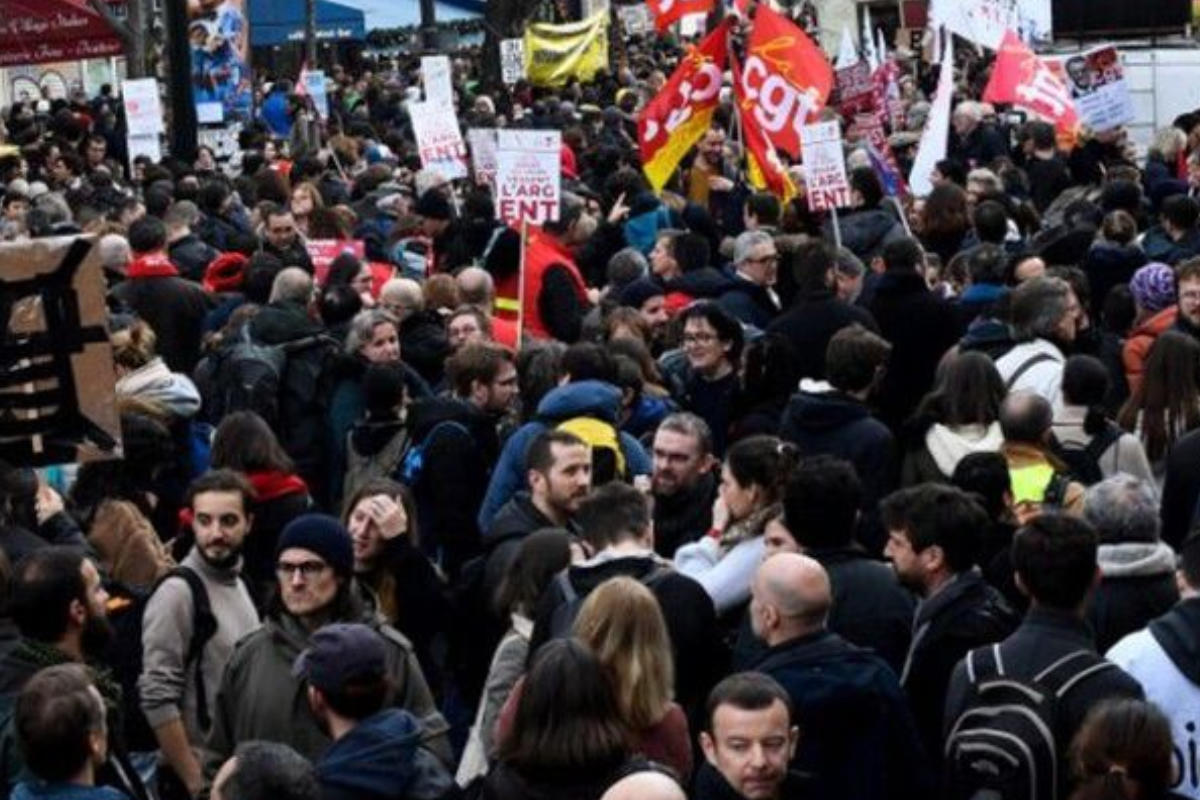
[680, 114]
[764, 168]
[1022, 79]
[668, 12]
[786, 79]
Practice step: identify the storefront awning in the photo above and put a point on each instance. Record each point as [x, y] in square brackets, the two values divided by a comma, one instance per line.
[41, 31]
[278, 22]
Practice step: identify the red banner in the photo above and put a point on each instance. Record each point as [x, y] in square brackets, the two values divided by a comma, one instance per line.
[763, 166]
[1023, 79]
[678, 116]
[786, 79]
[668, 12]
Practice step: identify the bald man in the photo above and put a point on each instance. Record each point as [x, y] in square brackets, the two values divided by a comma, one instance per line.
[860, 739]
[477, 288]
[646, 785]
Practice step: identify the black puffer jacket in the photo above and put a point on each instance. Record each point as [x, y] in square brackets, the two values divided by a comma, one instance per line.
[866, 231]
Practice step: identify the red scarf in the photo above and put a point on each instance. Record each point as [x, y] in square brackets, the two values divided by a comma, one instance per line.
[271, 485]
[267, 486]
[152, 265]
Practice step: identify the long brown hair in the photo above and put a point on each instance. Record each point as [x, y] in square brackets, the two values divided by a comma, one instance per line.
[567, 719]
[1122, 751]
[1167, 401]
[385, 581]
[623, 625]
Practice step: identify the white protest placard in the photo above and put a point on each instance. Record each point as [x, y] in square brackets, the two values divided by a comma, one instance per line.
[314, 84]
[144, 144]
[482, 142]
[439, 140]
[636, 19]
[1096, 78]
[512, 60]
[222, 141]
[824, 166]
[528, 175]
[692, 25]
[143, 108]
[435, 77]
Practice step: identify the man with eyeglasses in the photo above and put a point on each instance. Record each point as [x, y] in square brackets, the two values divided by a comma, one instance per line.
[752, 300]
[261, 698]
[192, 621]
[1187, 281]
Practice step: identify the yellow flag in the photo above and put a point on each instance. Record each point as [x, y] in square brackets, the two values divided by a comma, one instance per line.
[556, 53]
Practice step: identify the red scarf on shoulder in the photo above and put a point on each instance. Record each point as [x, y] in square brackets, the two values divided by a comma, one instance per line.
[152, 265]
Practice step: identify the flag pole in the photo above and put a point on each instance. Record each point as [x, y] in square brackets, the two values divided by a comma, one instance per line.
[521, 283]
[903, 218]
[837, 228]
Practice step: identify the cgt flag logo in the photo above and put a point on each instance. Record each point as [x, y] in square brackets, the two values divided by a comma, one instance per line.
[764, 168]
[668, 12]
[1026, 81]
[678, 116]
[786, 79]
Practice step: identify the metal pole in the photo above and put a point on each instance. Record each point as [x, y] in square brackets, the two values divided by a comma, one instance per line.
[310, 33]
[428, 25]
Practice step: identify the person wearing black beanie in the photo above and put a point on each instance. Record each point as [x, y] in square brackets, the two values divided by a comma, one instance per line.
[261, 697]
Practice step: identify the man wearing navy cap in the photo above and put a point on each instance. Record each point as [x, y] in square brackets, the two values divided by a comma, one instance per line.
[377, 751]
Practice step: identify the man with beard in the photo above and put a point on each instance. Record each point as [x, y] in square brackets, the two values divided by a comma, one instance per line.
[1187, 280]
[933, 537]
[58, 602]
[683, 483]
[193, 620]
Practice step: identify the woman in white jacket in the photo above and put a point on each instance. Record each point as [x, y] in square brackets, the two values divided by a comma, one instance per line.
[752, 480]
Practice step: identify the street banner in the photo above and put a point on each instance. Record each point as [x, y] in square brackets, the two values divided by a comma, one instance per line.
[1096, 80]
[936, 136]
[482, 142]
[556, 53]
[825, 180]
[528, 176]
[57, 385]
[668, 12]
[786, 79]
[437, 80]
[671, 123]
[439, 140]
[1026, 81]
[855, 91]
[143, 107]
[512, 61]
[764, 167]
[985, 22]
[219, 40]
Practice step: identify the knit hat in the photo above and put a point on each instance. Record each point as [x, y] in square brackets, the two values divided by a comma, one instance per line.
[433, 205]
[226, 273]
[639, 291]
[323, 535]
[1153, 287]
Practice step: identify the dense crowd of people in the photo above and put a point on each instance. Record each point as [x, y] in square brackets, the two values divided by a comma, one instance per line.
[673, 499]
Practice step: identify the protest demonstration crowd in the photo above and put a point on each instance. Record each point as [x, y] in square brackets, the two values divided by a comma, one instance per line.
[704, 418]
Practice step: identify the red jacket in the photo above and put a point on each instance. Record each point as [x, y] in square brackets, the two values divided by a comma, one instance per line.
[543, 251]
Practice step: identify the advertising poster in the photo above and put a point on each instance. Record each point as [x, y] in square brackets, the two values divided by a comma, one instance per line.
[219, 40]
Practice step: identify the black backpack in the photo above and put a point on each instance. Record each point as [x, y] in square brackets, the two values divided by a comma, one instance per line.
[564, 615]
[1083, 463]
[1003, 746]
[247, 375]
[204, 627]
